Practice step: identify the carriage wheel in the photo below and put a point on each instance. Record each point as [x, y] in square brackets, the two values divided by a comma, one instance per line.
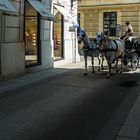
[134, 61]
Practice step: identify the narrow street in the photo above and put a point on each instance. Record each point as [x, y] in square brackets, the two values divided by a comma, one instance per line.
[68, 106]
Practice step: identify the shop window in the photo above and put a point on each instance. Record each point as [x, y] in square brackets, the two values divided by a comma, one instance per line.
[31, 35]
[109, 23]
[58, 36]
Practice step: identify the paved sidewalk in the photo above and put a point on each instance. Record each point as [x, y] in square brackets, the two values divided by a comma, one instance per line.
[30, 78]
[125, 123]
[130, 128]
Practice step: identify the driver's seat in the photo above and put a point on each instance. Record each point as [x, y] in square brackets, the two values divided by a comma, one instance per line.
[128, 42]
[131, 37]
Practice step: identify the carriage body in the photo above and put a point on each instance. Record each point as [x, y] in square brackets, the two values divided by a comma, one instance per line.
[132, 52]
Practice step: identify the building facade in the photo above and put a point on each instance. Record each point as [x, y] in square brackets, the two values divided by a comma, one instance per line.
[109, 16]
[36, 35]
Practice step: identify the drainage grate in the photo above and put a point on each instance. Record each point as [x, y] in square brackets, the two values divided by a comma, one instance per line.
[128, 84]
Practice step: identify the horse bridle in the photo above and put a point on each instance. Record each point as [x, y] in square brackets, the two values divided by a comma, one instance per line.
[81, 36]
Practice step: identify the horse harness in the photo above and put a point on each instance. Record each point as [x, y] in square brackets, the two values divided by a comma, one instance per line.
[111, 49]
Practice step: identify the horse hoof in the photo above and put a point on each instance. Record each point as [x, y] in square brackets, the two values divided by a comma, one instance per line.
[93, 71]
[103, 69]
[112, 74]
[108, 76]
[85, 73]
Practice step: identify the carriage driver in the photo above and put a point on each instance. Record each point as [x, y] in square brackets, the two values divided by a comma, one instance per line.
[129, 31]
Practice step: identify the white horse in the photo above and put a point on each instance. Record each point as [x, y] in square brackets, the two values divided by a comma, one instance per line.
[90, 49]
[113, 50]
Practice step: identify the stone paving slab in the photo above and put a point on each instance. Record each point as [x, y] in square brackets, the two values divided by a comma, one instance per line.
[125, 138]
[129, 131]
[133, 120]
[28, 79]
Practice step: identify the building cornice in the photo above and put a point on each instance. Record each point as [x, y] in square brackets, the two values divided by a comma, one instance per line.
[108, 5]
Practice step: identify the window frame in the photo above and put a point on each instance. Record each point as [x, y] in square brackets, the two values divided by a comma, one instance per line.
[62, 38]
[110, 31]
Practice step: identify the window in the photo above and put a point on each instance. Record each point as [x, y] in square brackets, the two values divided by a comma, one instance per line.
[31, 35]
[58, 35]
[109, 23]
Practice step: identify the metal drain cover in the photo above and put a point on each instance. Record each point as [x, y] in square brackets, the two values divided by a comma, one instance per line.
[128, 84]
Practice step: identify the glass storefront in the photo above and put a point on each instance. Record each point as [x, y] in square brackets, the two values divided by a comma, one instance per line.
[31, 35]
[58, 36]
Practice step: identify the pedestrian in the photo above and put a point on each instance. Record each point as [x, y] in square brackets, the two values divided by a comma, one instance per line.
[129, 31]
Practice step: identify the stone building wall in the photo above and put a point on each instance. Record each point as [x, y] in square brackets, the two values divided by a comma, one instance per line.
[91, 14]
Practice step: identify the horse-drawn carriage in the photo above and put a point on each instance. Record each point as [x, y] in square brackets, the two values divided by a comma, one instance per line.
[132, 52]
[113, 50]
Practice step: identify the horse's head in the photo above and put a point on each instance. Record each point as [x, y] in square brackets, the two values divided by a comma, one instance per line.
[81, 36]
[99, 39]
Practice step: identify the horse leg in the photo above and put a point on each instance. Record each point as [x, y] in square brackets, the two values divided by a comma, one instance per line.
[92, 62]
[102, 67]
[99, 60]
[121, 65]
[116, 66]
[109, 72]
[85, 57]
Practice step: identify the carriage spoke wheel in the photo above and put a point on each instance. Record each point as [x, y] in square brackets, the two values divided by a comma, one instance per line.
[134, 61]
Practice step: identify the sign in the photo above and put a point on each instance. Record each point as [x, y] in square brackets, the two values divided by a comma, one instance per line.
[71, 29]
[76, 25]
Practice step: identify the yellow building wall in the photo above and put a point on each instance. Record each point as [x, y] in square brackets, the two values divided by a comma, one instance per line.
[91, 17]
